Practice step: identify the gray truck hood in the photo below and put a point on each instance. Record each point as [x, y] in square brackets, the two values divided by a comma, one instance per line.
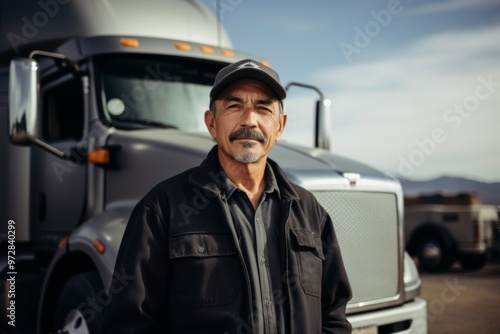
[172, 151]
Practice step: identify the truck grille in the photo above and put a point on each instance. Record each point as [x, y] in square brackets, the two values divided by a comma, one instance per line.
[367, 230]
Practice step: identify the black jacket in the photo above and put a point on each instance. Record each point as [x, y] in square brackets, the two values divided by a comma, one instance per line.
[189, 276]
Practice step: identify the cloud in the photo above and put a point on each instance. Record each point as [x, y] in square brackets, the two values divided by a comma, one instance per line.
[445, 53]
[421, 104]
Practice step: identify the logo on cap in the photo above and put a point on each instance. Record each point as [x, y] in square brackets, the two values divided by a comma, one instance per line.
[249, 64]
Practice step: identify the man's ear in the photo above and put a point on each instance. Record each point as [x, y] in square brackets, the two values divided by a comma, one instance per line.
[210, 122]
[282, 123]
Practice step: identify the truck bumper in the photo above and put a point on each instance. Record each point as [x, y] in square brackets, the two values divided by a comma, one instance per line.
[407, 318]
[473, 248]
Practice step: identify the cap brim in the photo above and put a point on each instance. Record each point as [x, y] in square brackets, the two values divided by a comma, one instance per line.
[248, 73]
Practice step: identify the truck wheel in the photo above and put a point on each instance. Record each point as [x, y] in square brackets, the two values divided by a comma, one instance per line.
[433, 254]
[473, 261]
[78, 310]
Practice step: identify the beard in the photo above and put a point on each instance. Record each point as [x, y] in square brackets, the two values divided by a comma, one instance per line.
[246, 155]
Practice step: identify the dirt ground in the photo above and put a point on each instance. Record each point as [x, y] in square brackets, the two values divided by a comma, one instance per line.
[462, 302]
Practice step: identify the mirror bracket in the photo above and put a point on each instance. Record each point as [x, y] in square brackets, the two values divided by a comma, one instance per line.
[322, 121]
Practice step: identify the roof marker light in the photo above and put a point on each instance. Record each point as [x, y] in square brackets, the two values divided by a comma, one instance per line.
[129, 42]
[183, 46]
[265, 62]
[227, 53]
[206, 49]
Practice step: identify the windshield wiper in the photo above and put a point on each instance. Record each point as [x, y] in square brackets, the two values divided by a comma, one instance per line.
[149, 122]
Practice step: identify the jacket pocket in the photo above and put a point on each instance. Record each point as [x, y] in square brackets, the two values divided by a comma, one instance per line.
[205, 269]
[309, 252]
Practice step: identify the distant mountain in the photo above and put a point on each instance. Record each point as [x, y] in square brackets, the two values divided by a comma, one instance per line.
[489, 192]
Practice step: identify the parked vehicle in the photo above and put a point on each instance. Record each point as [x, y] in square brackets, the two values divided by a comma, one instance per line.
[443, 228]
[102, 100]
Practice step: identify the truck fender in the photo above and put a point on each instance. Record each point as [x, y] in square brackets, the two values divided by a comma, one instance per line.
[93, 247]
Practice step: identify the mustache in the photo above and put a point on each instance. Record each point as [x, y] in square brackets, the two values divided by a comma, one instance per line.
[247, 133]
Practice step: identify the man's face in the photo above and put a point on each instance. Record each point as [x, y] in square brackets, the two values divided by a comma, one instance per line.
[247, 120]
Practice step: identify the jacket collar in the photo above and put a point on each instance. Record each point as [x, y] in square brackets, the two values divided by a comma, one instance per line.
[209, 176]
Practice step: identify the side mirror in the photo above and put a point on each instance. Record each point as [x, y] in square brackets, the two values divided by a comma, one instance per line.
[24, 94]
[322, 135]
[23, 101]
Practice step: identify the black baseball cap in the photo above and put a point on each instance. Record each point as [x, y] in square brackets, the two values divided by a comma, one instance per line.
[247, 69]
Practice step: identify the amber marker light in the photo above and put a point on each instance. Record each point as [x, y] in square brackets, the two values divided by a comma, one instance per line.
[265, 62]
[99, 246]
[62, 242]
[99, 156]
[129, 42]
[227, 53]
[183, 46]
[206, 49]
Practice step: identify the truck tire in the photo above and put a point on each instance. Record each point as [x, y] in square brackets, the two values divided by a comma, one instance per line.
[433, 253]
[78, 310]
[472, 261]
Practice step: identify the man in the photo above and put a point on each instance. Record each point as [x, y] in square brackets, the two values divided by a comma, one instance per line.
[258, 255]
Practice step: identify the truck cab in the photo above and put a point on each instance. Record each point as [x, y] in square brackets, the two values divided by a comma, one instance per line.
[101, 105]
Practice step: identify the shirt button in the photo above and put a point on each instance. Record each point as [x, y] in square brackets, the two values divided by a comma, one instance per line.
[263, 260]
[258, 220]
[268, 303]
[201, 249]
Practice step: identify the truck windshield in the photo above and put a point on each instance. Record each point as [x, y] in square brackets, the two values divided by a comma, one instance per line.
[138, 92]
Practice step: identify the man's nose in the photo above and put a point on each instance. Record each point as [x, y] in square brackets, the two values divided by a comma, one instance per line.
[249, 117]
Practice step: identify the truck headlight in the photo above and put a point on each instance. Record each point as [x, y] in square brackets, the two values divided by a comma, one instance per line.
[412, 279]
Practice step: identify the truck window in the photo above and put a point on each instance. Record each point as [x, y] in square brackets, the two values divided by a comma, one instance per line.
[63, 111]
[139, 92]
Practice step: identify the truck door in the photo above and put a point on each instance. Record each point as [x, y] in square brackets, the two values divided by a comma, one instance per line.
[58, 184]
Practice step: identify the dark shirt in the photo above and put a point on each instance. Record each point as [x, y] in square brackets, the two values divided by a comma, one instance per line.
[258, 241]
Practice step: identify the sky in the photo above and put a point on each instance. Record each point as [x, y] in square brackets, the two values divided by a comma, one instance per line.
[414, 84]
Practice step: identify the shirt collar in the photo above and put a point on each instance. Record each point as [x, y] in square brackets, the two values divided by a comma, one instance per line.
[228, 187]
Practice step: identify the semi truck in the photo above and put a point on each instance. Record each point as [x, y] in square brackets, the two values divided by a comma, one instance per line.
[441, 228]
[99, 101]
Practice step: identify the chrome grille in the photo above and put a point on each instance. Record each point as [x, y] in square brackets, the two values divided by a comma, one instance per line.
[366, 224]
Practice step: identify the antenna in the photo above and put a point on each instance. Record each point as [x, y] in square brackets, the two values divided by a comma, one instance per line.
[218, 10]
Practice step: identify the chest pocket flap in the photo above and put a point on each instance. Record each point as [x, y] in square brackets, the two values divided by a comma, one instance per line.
[205, 269]
[201, 245]
[310, 240]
